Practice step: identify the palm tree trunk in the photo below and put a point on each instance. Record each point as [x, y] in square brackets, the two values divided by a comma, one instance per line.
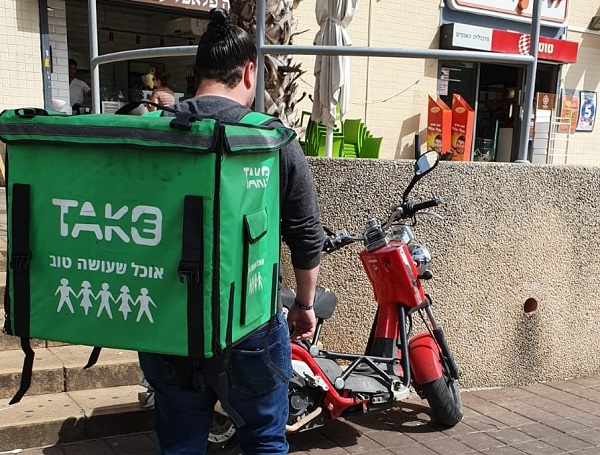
[281, 74]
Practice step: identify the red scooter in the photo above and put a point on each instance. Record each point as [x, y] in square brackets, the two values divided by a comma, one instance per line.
[327, 384]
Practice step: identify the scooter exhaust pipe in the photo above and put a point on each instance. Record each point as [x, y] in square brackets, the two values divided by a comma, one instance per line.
[303, 421]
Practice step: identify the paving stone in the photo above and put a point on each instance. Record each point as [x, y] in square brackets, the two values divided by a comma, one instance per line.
[132, 444]
[114, 368]
[564, 425]
[540, 431]
[568, 443]
[113, 411]
[589, 420]
[413, 449]
[479, 441]
[47, 377]
[13, 343]
[510, 436]
[538, 448]
[40, 420]
[51, 450]
[97, 447]
[448, 446]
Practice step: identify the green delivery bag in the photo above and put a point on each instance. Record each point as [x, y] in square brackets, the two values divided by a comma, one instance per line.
[149, 234]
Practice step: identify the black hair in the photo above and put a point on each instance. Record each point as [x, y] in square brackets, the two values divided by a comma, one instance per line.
[223, 50]
[72, 61]
[460, 138]
[439, 136]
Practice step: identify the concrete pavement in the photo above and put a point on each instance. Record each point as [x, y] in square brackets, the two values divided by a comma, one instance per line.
[561, 417]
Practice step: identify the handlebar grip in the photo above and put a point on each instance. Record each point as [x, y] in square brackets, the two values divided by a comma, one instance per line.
[426, 204]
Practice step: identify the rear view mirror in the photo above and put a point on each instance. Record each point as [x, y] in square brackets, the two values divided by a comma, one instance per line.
[424, 164]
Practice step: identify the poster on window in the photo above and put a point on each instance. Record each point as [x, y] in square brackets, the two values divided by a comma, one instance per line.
[569, 110]
[587, 111]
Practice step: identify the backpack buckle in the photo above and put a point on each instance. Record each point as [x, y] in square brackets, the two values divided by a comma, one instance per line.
[189, 270]
[20, 262]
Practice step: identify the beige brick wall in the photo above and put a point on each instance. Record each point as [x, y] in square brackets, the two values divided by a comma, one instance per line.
[20, 68]
[390, 95]
[584, 147]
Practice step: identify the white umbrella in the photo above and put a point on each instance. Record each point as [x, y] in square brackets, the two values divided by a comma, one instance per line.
[332, 72]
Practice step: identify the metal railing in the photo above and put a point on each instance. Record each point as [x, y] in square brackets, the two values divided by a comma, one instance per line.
[528, 61]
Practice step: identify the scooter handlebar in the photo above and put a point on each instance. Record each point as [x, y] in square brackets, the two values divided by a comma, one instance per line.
[410, 209]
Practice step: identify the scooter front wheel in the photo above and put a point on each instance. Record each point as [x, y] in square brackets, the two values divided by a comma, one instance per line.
[444, 400]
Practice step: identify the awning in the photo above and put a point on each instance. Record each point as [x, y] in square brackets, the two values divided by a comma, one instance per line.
[464, 36]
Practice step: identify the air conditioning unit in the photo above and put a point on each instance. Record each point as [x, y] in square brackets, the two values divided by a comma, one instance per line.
[185, 27]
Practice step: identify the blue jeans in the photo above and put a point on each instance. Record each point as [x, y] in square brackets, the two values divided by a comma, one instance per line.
[254, 392]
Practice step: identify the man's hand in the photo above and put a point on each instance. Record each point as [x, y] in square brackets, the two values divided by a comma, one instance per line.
[301, 322]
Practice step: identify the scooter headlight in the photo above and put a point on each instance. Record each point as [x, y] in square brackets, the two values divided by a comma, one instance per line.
[421, 256]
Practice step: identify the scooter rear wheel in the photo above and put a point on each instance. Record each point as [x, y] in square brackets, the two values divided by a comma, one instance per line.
[444, 400]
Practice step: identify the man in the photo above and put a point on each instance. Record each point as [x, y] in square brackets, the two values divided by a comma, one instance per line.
[459, 149]
[256, 387]
[78, 89]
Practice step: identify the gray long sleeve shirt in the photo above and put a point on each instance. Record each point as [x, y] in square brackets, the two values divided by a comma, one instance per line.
[301, 229]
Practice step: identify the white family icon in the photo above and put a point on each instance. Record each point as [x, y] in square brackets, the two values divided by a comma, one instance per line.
[104, 296]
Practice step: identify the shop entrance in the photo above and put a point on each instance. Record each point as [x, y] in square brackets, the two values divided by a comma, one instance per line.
[498, 96]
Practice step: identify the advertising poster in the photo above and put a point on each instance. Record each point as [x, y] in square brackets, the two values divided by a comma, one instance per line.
[569, 109]
[587, 111]
[463, 118]
[439, 122]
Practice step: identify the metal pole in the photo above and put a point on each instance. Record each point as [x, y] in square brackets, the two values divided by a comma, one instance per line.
[259, 103]
[95, 70]
[440, 54]
[527, 109]
[46, 54]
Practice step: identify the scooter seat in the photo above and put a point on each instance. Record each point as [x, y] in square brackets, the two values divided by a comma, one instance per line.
[325, 301]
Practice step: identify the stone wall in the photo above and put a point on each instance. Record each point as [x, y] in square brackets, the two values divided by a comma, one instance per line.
[511, 233]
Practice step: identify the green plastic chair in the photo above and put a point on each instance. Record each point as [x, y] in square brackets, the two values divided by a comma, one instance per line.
[370, 147]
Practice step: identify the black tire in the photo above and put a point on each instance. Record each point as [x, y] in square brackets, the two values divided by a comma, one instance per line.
[222, 438]
[444, 400]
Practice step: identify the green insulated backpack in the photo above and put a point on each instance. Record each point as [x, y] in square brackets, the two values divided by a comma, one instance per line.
[150, 234]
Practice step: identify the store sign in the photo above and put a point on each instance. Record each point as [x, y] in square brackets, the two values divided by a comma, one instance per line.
[198, 5]
[471, 37]
[493, 40]
[549, 48]
[554, 12]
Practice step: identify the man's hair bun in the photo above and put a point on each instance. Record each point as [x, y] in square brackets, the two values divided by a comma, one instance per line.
[218, 16]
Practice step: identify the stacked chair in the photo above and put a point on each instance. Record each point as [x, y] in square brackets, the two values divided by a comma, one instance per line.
[351, 140]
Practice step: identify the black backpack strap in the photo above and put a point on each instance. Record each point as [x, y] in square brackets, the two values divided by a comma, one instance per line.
[93, 357]
[258, 119]
[26, 372]
[19, 268]
[191, 269]
[19, 258]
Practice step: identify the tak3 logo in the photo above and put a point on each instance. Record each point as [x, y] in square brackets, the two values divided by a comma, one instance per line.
[145, 222]
[257, 177]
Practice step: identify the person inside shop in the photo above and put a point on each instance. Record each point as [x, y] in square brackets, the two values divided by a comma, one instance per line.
[255, 390]
[161, 93]
[459, 149]
[79, 91]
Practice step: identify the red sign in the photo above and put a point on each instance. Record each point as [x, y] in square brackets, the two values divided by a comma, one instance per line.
[439, 120]
[520, 43]
[463, 118]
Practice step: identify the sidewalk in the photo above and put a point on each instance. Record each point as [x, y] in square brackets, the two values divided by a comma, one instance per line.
[561, 417]
[555, 418]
